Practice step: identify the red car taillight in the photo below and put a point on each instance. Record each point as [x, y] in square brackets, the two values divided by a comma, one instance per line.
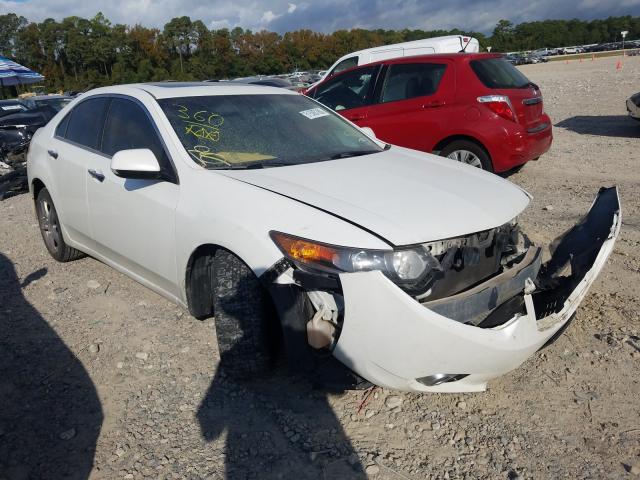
[500, 105]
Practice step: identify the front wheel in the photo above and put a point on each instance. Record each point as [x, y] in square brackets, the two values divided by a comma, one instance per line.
[50, 229]
[246, 325]
[468, 152]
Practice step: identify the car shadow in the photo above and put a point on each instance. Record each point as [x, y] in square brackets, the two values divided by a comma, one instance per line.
[277, 426]
[50, 413]
[602, 125]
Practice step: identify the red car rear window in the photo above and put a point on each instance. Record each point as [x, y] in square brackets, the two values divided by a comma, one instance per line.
[498, 73]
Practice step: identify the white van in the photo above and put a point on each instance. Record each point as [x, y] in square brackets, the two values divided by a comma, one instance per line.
[448, 44]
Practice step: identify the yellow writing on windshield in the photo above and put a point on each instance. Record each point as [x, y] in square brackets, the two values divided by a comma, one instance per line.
[203, 125]
[205, 157]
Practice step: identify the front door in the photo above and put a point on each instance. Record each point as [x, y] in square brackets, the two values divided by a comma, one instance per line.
[349, 93]
[133, 221]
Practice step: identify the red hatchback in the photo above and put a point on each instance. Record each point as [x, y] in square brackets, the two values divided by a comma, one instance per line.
[474, 108]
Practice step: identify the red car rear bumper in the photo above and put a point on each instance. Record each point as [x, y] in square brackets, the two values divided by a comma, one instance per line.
[522, 145]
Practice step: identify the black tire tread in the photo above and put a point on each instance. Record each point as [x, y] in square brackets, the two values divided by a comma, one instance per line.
[242, 317]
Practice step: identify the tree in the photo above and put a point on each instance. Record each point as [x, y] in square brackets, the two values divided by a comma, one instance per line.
[503, 35]
[10, 26]
[77, 53]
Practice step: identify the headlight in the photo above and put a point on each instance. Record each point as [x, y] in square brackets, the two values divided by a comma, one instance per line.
[408, 266]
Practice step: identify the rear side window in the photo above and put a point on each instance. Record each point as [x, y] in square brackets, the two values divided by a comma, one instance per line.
[85, 124]
[128, 126]
[350, 90]
[498, 73]
[61, 129]
[410, 80]
[345, 64]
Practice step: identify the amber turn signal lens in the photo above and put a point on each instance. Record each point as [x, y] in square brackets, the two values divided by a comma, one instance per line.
[304, 250]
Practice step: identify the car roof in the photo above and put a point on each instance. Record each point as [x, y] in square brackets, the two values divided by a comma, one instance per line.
[439, 56]
[160, 90]
[410, 44]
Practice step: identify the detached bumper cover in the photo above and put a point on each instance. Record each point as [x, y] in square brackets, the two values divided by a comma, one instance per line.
[392, 340]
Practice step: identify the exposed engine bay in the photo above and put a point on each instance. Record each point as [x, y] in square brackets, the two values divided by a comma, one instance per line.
[458, 265]
[479, 279]
[487, 293]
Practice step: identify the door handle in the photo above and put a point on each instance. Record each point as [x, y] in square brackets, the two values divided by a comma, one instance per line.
[52, 153]
[433, 104]
[98, 175]
[355, 118]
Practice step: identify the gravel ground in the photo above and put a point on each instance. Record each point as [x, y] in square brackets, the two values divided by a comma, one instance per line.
[101, 378]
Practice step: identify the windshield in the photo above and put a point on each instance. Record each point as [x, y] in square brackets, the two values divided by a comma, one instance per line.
[255, 131]
[499, 73]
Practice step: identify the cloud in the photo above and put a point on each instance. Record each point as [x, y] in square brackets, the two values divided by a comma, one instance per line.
[268, 16]
[328, 15]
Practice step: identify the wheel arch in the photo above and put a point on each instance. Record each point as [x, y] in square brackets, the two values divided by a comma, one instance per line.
[36, 186]
[452, 138]
[199, 281]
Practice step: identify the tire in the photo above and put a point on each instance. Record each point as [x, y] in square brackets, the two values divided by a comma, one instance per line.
[468, 152]
[50, 229]
[246, 326]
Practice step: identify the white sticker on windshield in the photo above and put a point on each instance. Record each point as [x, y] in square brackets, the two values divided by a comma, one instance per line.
[12, 107]
[314, 113]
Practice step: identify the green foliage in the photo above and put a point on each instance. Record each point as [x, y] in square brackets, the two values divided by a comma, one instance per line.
[78, 53]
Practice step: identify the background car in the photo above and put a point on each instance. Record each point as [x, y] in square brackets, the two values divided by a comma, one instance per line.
[445, 44]
[515, 59]
[474, 108]
[57, 102]
[8, 107]
[633, 106]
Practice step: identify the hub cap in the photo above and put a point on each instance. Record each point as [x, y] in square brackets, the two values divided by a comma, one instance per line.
[465, 156]
[49, 225]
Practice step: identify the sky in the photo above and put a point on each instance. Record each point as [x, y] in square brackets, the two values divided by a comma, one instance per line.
[327, 15]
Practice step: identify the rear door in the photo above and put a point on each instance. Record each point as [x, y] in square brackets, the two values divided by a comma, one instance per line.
[73, 148]
[412, 104]
[497, 74]
[349, 93]
[133, 220]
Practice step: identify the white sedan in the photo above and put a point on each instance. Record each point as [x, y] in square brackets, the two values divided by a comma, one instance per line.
[303, 233]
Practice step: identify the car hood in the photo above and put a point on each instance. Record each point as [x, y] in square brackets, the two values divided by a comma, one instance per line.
[404, 196]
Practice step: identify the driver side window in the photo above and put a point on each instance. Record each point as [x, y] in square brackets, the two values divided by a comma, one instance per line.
[127, 126]
[350, 90]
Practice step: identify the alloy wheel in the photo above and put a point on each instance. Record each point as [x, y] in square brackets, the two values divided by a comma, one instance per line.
[465, 156]
[49, 225]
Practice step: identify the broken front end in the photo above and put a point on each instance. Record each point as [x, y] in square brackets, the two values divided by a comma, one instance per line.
[443, 316]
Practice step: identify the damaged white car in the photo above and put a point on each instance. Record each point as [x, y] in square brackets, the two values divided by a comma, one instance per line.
[301, 233]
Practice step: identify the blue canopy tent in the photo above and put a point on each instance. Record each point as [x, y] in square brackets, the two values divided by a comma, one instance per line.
[12, 73]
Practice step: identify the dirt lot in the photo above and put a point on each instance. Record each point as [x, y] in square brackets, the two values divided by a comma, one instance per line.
[100, 377]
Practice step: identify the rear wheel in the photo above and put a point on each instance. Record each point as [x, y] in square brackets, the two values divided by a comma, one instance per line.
[246, 325]
[468, 152]
[51, 231]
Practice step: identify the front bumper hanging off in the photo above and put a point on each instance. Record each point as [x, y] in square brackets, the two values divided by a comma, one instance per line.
[394, 341]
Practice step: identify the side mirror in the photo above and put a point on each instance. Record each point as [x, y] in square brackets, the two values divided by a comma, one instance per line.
[139, 163]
